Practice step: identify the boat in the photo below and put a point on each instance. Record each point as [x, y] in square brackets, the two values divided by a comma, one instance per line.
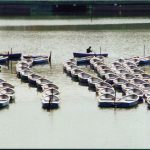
[105, 90]
[83, 78]
[131, 67]
[110, 77]
[116, 63]
[102, 73]
[144, 61]
[129, 63]
[32, 78]
[128, 76]
[102, 84]
[4, 100]
[145, 76]
[8, 91]
[25, 73]
[92, 81]
[50, 91]
[145, 87]
[34, 56]
[75, 72]
[69, 68]
[40, 60]
[118, 82]
[49, 85]
[94, 60]
[21, 68]
[121, 71]
[127, 101]
[106, 100]
[81, 54]
[137, 81]
[12, 56]
[137, 92]
[28, 61]
[136, 72]
[121, 60]
[6, 85]
[41, 81]
[1, 81]
[127, 86]
[98, 64]
[117, 67]
[20, 64]
[66, 64]
[50, 102]
[3, 59]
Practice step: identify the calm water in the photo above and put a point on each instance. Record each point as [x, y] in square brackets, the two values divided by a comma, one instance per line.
[78, 123]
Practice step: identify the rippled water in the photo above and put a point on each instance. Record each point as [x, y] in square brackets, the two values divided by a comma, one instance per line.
[78, 123]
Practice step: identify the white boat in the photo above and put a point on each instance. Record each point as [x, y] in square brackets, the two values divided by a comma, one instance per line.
[75, 72]
[68, 63]
[69, 68]
[128, 76]
[97, 64]
[5, 85]
[102, 73]
[145, 87]
[105, 90]
[92, 81]
[117, 67]
[110, 77]
[41, 81]
[129, 63]
[137, 92]
[32, 78]
[49, 85]
[29, 61]
[50, 91]
[20, 68]
[136, 72]
[127, 101]
[116, 63]
[106, 100]
[137, 81]
[128, 86]
[83, 78]
[25, 73]
[94, 60]
[50, 102]
[145, 76]
[102, 84]
[4, 100]
[121, 71]
[8, 91]
[118, 82]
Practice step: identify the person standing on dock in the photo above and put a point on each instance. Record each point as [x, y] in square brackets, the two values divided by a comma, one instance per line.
[88, 50]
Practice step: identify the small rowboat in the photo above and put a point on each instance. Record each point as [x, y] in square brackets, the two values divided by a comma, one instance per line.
[129, 63]
[50, 102]
[28, 61]
[50, 91]
[21, 68]
[117, 67]
[8, 91]
[32, 78]
[121, 71]
[20, 64]
[105, 90]
[106, 100]
[118, 82]
[25, 73]
[128, 86]
[49, 85]
[137, 81]
[97, 64]
[41, 81]
[136, 72]
[127, 101]
[75, 72]
[69, 68]
[144, 76]
[128, 76]
[102, 84]
[83, 78]
[102, 73]
[79, 54]
[4, 100]
[94, 60]
[110, 77]
[144, 61]
[92, 81]
[5, 85]
[137, 92]
[68, 63]
[145, 87]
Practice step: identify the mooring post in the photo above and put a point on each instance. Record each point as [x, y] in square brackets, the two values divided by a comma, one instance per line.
[8, 61]
[50, 60]
[11, 61]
